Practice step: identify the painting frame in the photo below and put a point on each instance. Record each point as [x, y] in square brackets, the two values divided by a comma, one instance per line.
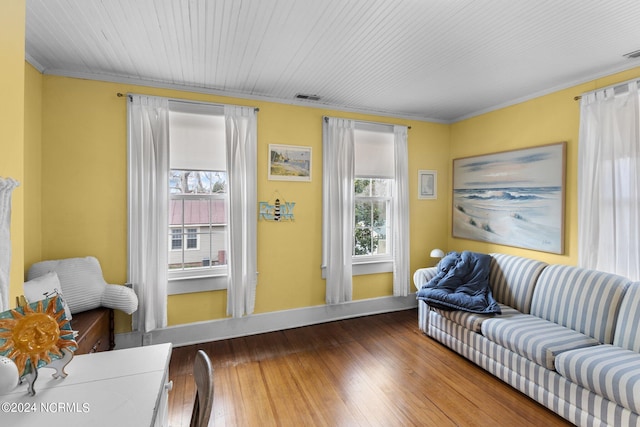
[513, 198]
[289, 163]
[427, 184]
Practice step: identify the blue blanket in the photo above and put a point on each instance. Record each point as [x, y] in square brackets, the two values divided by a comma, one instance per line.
[461, 283]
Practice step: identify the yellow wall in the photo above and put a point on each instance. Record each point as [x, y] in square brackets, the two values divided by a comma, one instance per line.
[12, 29]
[84, 194]
[32, 166]
[66, 139]
[547, 119]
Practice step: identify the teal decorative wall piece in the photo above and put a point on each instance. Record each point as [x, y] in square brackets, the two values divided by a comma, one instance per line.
[278, 210]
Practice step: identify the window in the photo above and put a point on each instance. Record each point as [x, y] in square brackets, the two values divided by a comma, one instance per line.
[197, 219]
[197, 197]
[191, 139]
[191, 239]
[609, 182]
[372, 216]
[373, 197]
[365, 208]
[176, 239]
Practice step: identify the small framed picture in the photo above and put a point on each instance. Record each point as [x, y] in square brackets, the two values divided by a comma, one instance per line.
[289, 163]
[427, 184]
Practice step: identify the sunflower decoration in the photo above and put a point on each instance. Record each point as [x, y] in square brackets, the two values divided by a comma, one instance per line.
[33, 335]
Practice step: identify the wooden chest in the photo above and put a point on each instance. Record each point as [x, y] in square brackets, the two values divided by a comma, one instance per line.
[95, 330]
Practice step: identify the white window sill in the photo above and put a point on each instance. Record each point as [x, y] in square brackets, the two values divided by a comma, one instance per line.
[360, 268]
[196, 281]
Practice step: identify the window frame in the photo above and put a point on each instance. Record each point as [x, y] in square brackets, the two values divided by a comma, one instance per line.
[205, 278]
[388, 200]
[374, 263]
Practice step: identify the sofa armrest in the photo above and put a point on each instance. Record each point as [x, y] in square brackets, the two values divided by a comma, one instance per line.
[423, 275]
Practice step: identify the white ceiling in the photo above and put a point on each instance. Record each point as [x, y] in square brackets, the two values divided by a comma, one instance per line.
[425, 59]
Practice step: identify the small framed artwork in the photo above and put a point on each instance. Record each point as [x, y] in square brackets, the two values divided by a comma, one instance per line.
[427, 184]
[289, 163]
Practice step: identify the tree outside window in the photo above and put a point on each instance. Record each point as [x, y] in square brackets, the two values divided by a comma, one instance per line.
[372, 201]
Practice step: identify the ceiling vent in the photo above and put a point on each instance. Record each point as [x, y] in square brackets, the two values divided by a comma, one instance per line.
[632, 55]
[307, 97]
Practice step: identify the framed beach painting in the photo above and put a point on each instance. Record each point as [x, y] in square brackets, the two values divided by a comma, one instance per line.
[289, 163]
[513, 198]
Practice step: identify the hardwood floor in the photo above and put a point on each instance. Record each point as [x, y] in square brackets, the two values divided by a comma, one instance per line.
[371, 371]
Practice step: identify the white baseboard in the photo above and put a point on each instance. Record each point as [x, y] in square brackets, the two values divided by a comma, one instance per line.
[214, 330]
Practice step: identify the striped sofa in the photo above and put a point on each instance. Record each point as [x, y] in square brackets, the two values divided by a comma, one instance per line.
[567, 337]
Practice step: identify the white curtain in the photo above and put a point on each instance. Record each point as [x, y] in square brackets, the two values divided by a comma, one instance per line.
[400, 209]
[148, 207]
[609, 181]
[241, 135]
[337, 207]
[6, 188]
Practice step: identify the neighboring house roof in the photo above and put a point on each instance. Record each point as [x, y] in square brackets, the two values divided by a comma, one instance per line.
[196, 212]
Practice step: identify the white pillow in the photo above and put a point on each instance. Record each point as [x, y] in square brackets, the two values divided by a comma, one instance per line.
[81, 280]
[45, 287]
[83, 285]
[120, 297]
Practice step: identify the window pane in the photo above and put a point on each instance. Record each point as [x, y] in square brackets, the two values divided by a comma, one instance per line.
[372, 201]
[363, 213]
[379, 213]
[362, 187]
[197, 182]
[198, 203]
[363, 243]
[381, 187]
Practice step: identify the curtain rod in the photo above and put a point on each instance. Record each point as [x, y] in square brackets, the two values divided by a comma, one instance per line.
[326, 119]
[130, 96]
[615, 85]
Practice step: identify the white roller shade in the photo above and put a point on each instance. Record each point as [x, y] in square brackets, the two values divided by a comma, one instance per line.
[374, 154]
[197, 138]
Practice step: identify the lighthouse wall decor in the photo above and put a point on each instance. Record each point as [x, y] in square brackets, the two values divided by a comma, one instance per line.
[277, 209]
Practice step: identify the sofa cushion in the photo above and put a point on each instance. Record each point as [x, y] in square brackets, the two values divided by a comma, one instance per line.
[473, 321]
[627, 333]
[586, 301]
[536, 339]
[513, 278]
[609, 371]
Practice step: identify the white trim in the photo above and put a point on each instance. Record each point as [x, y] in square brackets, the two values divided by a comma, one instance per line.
[622, 86]
[215, 330]
[372, 266]
[230, 94]
[31, 60]
[605, 73]
[366, 267]
[162, 85]
[189, 285]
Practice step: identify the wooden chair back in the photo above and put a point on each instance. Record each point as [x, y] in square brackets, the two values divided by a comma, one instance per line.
[203, 376]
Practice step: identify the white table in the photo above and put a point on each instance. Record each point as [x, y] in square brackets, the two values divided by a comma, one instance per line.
[113, 388]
